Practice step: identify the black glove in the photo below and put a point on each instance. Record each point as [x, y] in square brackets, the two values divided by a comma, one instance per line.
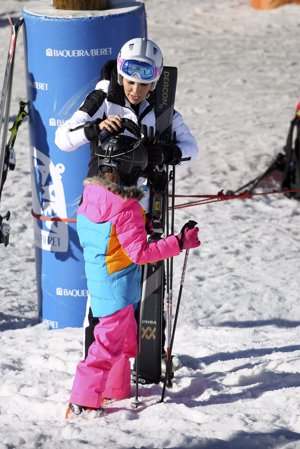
[149, 135]
[92, 130]
[166, 153]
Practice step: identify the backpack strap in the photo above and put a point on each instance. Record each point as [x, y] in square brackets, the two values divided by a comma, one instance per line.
[145, 112]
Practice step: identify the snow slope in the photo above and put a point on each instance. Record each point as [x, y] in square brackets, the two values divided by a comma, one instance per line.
[238, 329]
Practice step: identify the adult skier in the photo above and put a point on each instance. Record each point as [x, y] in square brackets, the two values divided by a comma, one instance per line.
[128, 95]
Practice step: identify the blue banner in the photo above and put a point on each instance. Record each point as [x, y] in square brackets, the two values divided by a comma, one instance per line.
[64, 57]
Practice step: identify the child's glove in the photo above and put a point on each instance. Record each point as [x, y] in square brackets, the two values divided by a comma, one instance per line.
[188, 237]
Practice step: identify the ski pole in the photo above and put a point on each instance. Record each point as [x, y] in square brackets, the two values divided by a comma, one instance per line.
[191, 224]
[169, 300]
[136, 401]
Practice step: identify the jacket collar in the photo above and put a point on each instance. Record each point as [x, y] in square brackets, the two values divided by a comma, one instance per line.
[126, 192]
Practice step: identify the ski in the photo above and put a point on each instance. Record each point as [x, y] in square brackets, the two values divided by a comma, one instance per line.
[9, 152]
[154, 283]
[5, 100]
[6, 88]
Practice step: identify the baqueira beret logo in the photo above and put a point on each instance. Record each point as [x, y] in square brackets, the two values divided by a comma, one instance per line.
[78, 53]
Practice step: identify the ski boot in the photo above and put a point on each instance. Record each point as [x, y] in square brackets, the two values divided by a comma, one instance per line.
[74, 410]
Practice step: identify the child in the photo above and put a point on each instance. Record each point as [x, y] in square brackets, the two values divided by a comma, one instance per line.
[111, 229]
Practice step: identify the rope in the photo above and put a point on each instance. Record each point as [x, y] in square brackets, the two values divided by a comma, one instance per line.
[221, 196]
[205, 199]
[43, 218]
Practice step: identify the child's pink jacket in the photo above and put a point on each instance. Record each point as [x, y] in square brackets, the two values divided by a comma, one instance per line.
[111, 229]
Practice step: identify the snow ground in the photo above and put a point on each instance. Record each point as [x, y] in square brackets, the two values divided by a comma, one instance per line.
[238, 329]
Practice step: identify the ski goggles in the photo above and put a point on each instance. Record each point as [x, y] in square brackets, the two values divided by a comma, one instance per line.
[145, 71]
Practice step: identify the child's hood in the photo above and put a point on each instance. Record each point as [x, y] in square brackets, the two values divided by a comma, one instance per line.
[102, 200]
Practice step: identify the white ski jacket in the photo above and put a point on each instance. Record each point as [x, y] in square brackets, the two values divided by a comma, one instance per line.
[108, 99]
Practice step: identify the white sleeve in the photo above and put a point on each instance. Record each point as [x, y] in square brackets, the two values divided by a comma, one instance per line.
[184, 138]
[70, 135]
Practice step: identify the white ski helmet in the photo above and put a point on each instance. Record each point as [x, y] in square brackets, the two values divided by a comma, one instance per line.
[140, 60]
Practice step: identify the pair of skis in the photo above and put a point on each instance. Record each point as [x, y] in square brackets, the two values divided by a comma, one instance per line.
[6, 151]
[158, 277]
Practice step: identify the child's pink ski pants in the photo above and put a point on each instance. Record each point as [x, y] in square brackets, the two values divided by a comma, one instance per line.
[105, 370]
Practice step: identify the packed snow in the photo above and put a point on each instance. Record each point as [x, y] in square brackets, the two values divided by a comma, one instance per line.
[238, 329]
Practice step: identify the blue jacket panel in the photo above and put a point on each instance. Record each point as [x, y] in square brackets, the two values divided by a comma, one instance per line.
[108, 292]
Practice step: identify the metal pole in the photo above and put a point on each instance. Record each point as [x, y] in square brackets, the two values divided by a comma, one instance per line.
[191, 224]
[169, 301]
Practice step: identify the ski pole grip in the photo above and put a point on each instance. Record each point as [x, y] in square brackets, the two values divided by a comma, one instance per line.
[189, 225]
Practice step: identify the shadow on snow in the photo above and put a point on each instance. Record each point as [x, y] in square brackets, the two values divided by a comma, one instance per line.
[12, 322]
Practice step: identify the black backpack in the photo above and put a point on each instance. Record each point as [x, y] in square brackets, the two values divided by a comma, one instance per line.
[291, 171]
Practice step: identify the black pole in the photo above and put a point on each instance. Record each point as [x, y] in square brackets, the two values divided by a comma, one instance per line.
[169, 361]
[170, 284]
[191, 224]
